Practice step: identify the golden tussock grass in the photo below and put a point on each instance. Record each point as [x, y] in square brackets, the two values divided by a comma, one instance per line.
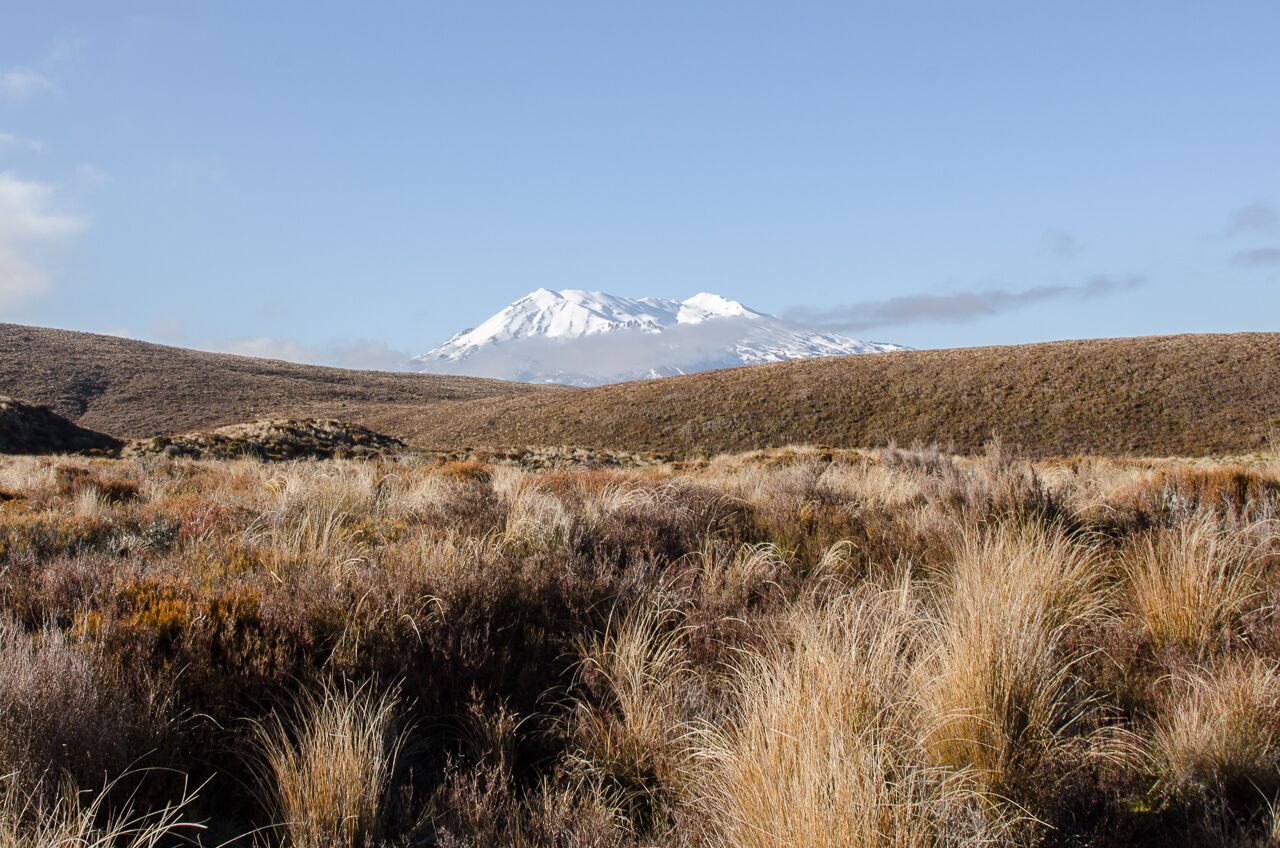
[803, 647]
[1219, 731]
[1189, 584]
[79, 819]
[327, 765]
[1000, 680]
[822, 743]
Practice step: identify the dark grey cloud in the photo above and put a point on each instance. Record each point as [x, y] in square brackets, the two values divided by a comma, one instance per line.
[1257, 217]
[1258, 257]
[952, 308]
[1060, 244]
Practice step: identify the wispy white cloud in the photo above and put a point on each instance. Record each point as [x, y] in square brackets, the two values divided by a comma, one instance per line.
[13, 141]
[25, 210]
[91, 176]
[360, 354]
[65, 49]
[29, 225]
[25, 83]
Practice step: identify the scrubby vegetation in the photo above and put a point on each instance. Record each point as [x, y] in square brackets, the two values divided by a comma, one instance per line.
[1189, 395]
[28, 429]
[798, 647]
[276, 440]
[133, 389]
[1154, 396]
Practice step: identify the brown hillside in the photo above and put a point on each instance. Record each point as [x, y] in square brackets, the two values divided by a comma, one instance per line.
[135, 389]
[29, 429]
[1191, 394]
[275, 440]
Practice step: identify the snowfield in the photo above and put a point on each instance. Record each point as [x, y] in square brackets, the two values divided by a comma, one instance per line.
[586, 338]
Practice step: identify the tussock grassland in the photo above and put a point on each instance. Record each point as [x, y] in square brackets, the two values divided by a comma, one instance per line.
[796, 647]
[1187, 395]
[127, 388]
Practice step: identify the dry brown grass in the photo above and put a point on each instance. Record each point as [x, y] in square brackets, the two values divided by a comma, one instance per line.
[78, 819]
[1220, 732]
[1172, 395]
[1000, 679]
[822, 744]
[1190, 584]
[64, 713]
[328, 765]
[1163, 396]
[796, 647]
[632, 736]
[127, 388]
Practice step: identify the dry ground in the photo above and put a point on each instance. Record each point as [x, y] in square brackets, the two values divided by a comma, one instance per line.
[1163, 396]
[799, 647]
[133, 389]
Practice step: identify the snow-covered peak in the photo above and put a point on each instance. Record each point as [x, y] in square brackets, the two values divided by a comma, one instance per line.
[560, 315]
[590, 337]
[704, 306]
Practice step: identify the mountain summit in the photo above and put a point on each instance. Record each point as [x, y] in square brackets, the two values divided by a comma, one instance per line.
[587, 338]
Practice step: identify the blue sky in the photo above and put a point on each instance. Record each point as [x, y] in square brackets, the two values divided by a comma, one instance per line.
[345, 182]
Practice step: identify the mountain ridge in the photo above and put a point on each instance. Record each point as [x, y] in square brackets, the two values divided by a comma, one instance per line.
[588, 338]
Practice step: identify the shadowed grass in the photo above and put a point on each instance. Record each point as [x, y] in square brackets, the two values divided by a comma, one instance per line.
[79, 819]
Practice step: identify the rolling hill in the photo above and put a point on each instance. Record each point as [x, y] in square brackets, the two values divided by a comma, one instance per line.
[1188, 394]
[1165, 395]
[132, 389]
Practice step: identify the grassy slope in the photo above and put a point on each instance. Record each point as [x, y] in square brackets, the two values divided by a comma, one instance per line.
[1157, 395]
[130, 388]
[1190, 394]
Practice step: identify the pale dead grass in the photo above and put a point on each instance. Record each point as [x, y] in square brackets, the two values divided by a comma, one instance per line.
[822, 743]
[79, 819]
[730, 574]
[1220, 731]
[930, 671]
[636, 737]
[998, 684]
[327, 764]
[1189, 584]
[533, 516]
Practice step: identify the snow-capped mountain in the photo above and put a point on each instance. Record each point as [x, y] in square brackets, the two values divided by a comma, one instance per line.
[588, 338]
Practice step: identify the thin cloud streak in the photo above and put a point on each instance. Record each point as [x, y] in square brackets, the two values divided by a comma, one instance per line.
[1061, 245]
[24, 83]
[1258, 257]
[953, 308]
[13, 141]
[1258, 217]
[362, 354]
